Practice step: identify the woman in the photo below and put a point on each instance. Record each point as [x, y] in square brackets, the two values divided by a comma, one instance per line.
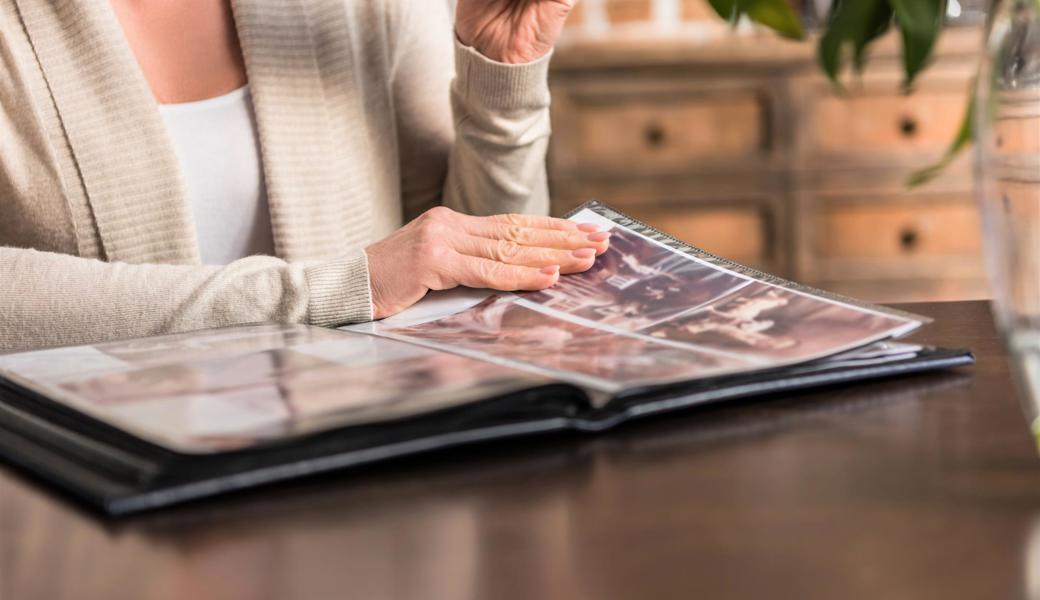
[168, 166]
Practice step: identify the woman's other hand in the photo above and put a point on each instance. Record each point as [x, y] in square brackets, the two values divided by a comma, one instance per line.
[443, 249]
[511, 31]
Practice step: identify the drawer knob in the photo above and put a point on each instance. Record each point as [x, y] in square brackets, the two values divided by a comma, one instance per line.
[908, 126]
[909, 239]
[655, 136]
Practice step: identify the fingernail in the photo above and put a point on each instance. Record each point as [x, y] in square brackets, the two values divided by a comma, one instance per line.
[551, 270]
[584, 253]
[588, 227]
[602, 236]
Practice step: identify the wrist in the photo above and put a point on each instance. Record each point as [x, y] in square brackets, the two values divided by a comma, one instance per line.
[391, 287]
[485, 85]
[375, 287]
[504, 55]
[339, 291]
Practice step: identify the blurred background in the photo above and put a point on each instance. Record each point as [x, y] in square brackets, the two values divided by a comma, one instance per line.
[734, 141]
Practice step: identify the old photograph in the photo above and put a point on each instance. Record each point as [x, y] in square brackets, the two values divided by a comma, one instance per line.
[636, 284]
[196, 345]
[502, 328]
[774, 323]
[237, 401]
[59, 365]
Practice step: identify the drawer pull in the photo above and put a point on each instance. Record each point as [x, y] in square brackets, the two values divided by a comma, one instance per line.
[909, 239]
[908, 127]
[655, 135]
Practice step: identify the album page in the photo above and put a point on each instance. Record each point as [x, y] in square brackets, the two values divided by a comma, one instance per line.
[649, 312]
[230, 389]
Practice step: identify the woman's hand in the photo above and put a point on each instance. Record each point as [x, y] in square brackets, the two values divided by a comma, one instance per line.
[443, 249]
[511, 31]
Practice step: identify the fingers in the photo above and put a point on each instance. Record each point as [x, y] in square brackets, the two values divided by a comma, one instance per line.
[511, 253]
[475, 272]
[559, 239]
[535, 221]
[527, 230]
[505, 252]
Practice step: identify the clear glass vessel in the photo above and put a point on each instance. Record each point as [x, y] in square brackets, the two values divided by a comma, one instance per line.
[1007, 128]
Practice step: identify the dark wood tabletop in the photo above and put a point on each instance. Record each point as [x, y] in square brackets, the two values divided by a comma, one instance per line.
[919, 487]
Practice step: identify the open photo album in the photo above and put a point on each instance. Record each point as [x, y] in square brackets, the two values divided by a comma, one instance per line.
[654, 326]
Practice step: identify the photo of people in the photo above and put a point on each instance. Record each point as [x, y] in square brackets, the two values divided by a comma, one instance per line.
[239, 400]
[55, 365]
[170, 349]
[426, 380]
[504, 329]
[58, 365]
[771, 322]
[636, 284]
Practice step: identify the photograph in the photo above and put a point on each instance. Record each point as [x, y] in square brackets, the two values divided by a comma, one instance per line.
[503, 328]
[56, 365]
[766, 321]
[424, 381]
[637, 284]
[237, 401]
[60, 365]
[196, 345]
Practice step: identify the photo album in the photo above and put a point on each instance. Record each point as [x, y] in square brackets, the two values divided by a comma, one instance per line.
[654, 326]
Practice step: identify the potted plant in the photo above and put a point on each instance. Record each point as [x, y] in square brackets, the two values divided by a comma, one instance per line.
[848, 29]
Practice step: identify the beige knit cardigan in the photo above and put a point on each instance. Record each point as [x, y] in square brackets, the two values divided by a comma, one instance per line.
[367, 115]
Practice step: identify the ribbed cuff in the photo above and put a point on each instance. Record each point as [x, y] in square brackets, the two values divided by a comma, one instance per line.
[501, 86]
[340, 292]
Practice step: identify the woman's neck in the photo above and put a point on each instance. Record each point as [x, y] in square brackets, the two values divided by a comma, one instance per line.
[187, 51]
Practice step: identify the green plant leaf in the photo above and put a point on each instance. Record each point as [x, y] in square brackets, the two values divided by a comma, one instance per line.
[727, 9]
[774, 14]
[855, 24]
[964, 137]
[877, 24]
[829, 54]
[852, 26]
[920, 22]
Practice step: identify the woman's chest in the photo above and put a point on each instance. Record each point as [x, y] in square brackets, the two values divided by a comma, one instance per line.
[187, 51]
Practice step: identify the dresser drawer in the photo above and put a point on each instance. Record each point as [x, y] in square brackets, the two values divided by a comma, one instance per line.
[924, 122]
[888, 291]
[898, 229]
[743, 234]
[667, 132]
[628, 11]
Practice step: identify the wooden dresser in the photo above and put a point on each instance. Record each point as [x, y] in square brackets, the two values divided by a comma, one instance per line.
[742, 147]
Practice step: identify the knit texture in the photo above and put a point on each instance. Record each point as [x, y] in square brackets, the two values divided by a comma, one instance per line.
[340, 291]
[362, 123]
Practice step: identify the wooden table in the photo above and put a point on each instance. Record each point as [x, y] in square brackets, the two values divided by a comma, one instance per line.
[921, 487]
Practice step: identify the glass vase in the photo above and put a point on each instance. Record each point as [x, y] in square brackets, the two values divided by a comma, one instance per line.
[1007, 133]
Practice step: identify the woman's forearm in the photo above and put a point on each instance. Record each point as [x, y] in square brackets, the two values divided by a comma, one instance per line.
[484, 151]
[502, 129]
[53, 299]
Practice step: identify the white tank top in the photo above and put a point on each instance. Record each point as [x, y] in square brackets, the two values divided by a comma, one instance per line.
[219, 153]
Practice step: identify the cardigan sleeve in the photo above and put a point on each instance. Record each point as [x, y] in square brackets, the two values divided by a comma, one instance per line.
[472, 133]
[50, 299]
